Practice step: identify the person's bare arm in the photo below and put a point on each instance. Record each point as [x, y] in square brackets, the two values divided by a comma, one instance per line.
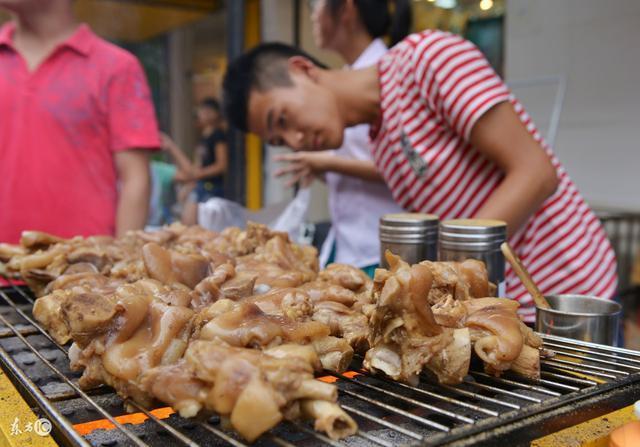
[132, 167]
[217, 168]
[303, 164]
[529, 175]
[362, 169]
[184, 164]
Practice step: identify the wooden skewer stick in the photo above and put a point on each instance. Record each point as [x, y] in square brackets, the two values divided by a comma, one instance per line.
[524, 276]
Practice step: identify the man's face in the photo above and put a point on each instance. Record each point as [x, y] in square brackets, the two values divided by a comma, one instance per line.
[304, 116]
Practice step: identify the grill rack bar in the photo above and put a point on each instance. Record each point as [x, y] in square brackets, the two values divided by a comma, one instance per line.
[506, 392]
[382, 422]
[568, 379]
[593, 346]
[460, 403]
[568, 366]
[41, 400]
[374, 439]
[558, 385]
[279, 441]
[398, 411]
[559, 349]
[70, 383]
[458, 389]
[405, 399]
[588, 367]
[317, 435]
[176, 433]
[222, 435]
[526, 386]
[480, 396]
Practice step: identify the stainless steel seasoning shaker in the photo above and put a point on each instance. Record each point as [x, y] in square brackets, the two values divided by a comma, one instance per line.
[480, 239]
[412, 236]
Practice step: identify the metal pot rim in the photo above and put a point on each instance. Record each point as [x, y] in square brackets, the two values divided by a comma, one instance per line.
[581, 314]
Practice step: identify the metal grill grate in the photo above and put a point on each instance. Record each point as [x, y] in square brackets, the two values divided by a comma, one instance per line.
[388, 413]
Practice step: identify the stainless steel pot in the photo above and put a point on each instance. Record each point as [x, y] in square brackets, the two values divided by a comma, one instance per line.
[580, 317]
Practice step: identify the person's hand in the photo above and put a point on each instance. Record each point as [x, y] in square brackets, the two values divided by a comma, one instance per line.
[182, 177]
[167, 143]
[303, 167]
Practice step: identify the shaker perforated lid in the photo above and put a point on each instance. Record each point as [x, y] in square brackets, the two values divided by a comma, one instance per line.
[475, 234]
[409, 219]
[408, 228]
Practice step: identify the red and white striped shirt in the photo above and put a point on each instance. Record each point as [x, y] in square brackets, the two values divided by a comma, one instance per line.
[434, 87]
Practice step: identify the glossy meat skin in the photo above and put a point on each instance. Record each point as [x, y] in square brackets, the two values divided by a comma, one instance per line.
[208, 321]
[499, 337]
[428, 316]
[151, 338]
[404, 335]
[256, 389]
[149, 345]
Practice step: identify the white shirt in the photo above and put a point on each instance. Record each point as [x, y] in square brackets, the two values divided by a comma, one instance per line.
[355, 205]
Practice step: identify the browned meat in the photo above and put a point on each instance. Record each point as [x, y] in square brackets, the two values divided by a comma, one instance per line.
[339, 295]
[223, 282]
[245, 325]
[499, 337]
[458, 280]
[132, 306]
[97, 282]
[48, 311]
[235, 242]
[404, 336]
[475, 275]
[36, 240]
[344, 322]
[8, 251]
[292, 303]
[347, 276]
[237, 322]
[279, 263]
[142, 325]
[169, 266]
[320, 291]
[255, 389]
[335, 353]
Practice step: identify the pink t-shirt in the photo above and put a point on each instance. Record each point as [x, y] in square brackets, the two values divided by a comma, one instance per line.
[60, 127]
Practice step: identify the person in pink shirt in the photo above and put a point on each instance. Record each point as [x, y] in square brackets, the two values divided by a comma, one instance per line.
[76, 125]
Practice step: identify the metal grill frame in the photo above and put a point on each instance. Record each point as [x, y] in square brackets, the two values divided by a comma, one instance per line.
[524, 421]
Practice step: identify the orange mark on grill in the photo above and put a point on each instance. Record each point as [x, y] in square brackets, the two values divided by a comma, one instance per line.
[328, 379]
[133, 418]
[332, 379]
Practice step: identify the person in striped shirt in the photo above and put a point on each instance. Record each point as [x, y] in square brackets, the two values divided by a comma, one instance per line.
[449, 139]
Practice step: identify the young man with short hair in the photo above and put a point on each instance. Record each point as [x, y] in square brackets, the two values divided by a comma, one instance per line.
[448, 138]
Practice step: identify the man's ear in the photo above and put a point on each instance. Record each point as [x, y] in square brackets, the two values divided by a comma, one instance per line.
[302, 65]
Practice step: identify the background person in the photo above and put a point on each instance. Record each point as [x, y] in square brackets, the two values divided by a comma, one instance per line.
[76, 124]
[211, 160]
[358, 195]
